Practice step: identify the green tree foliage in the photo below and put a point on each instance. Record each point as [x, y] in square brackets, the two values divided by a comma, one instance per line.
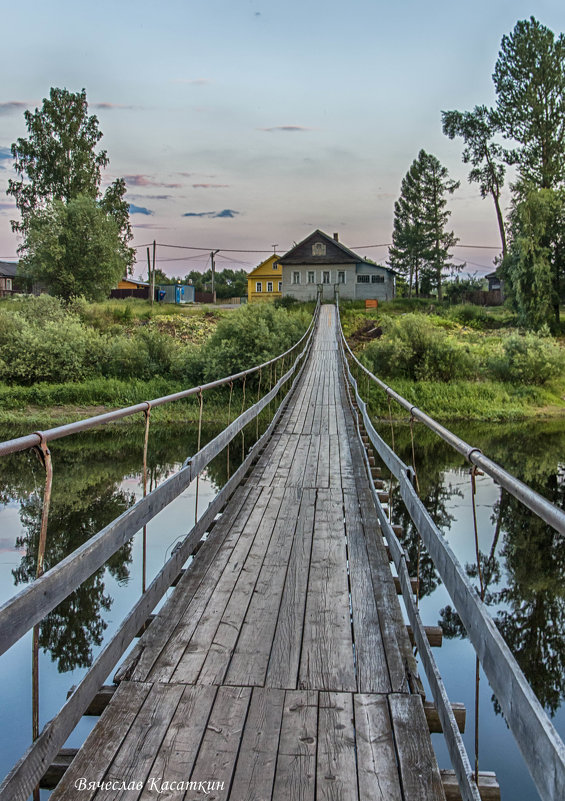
[529, 78]
[58, 164]
[228, 283]
[534, 269]
[477, 128]
[74, 248]
[420, 241]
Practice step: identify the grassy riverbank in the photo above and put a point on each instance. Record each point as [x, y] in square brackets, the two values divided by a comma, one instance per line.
[62, 363]
[458, 363]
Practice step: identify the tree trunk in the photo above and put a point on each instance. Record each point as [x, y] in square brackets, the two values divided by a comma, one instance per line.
[500, 219]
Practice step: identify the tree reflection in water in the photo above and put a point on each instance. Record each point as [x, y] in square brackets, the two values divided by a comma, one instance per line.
[89, 471]
[524, 567]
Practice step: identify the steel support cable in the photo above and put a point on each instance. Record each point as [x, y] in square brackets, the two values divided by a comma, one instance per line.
[543, 508]
[542, 748]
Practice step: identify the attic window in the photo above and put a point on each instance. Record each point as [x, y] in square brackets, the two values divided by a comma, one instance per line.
[318, 249]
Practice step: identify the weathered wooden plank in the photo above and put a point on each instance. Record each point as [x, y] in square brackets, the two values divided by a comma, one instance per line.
[327, 645]
[295, 778]
[255, 770]
[176, 756]
[400, 657]
[418, 766]
[433, 718]
[103, 741]
[284, 659]
[136, 754]
[191, 590]
[57, 768]
[489, 789]
[336, 769]
[376, 757]
[216, 581]
[222, 738]
[370, 657]
[250, 658]
[220, 650]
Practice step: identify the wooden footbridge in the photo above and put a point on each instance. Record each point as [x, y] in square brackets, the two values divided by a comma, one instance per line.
[281, 666]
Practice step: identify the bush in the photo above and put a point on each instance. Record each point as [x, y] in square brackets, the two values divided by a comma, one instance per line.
[252, 335]
[527, 359]
[414, 348]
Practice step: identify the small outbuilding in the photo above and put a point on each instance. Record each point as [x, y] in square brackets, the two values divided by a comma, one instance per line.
[265, 281]
[7, 277]
[322, 262]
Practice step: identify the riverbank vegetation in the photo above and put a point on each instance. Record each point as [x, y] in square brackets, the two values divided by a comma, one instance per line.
[458, 363]
[65, 361]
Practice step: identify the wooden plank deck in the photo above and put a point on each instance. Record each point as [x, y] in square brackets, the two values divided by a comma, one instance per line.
[280, 668]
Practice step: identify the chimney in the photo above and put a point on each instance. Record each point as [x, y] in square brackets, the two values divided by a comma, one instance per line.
[336, 237]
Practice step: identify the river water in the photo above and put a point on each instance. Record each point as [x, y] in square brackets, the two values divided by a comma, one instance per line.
[98, 475]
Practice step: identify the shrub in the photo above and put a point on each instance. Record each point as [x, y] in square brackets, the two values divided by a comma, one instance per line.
[527, 359]
[414, 348]
[250, 336]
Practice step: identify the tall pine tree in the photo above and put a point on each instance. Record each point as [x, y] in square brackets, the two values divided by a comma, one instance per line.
[420, 242]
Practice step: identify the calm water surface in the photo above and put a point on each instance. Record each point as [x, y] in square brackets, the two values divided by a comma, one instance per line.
[98, 475]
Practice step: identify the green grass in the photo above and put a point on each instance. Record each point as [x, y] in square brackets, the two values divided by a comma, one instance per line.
[471, 400]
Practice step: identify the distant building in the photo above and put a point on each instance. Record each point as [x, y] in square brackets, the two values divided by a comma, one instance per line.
[322, 261]
[265, 281]
[7, 277]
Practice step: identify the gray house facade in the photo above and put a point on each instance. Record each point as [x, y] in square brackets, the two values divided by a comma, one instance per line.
[322, 262]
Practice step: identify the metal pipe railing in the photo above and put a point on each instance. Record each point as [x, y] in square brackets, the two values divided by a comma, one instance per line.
[543, 508]
[35, 439]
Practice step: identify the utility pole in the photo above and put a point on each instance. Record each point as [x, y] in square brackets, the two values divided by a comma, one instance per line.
[212, 254]
[274, 248]
[152, 283]
[149, 269]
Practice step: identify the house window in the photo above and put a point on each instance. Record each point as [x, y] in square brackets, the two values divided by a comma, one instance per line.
[269, 286]
[311, 277]
[377, 279]
[258, 286]
[326, 277]
[363, 279]
[280, 286]
[341, 277]
[275, 265]
[8, 283]
[318, 249]
[296, 277]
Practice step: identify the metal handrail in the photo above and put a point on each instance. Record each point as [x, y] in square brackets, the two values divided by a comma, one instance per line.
[547, 511]
[540, 744]
[35, 439]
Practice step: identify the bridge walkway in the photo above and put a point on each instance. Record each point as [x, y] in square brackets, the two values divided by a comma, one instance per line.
[280, 668]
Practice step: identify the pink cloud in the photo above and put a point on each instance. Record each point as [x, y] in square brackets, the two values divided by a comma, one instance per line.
[210, 186]
[146, 180]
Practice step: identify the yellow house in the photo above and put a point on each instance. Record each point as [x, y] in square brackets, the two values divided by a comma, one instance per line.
[265, 281]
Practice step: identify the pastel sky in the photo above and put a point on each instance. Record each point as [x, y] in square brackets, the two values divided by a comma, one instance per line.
[244, 124]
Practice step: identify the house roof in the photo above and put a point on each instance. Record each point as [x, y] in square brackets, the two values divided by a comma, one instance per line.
[135, 281]
[272, 258]
[8, 269]
[336, 253]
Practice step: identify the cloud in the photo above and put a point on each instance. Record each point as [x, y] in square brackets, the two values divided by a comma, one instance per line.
[5, 153]
[194, 81]
[213, 214]
[14, 105]
[150, 197]
[146, 180]
[210, 186]
[139, 209]
[151, 226]
[104, 106]
[285, 128]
